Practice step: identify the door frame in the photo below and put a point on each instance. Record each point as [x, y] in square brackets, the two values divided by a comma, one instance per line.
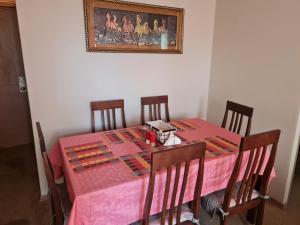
[293, 160]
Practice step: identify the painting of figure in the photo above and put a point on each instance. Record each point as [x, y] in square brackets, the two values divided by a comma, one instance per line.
[119, 26]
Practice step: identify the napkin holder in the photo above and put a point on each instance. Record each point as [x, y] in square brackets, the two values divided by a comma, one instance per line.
[162, 129]
[172, 140]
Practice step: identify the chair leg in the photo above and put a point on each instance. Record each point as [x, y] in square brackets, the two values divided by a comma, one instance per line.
[251, 215]
[224, 221]
[260, 213]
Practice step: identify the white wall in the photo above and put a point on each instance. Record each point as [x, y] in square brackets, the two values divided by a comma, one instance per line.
[63, 78]
[256, 62]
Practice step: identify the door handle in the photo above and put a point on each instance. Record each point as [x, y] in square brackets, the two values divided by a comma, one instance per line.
[22, 84]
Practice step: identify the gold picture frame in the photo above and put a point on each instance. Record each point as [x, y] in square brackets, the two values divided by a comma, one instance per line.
[119, 26]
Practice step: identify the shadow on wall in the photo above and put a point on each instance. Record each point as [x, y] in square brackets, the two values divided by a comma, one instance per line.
[297, 169]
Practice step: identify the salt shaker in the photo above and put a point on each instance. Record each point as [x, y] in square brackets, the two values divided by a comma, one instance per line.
[147, 137]
[152, 139]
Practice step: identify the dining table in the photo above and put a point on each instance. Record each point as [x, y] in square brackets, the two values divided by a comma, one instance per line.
[107, 173]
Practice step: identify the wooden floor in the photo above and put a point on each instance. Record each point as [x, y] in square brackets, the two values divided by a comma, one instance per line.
[19, 189]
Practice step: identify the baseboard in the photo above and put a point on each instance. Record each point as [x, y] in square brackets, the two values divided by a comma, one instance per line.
[44, 198]
[277, 204]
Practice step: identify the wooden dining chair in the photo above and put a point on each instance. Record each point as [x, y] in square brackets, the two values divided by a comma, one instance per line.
[41, 137]
[108, 114]
[169, 159]
[154, 104]
[251, 192]
[236, 121]
[56, 201]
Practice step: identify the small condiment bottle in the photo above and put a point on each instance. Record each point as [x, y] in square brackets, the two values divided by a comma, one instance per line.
[152, 139]
[147, 137]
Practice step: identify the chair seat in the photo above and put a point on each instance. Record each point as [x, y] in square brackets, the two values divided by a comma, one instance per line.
[185, 219]
[212, 202]
[187, 223]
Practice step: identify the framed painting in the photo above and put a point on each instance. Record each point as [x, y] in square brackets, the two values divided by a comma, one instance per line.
[118, 26]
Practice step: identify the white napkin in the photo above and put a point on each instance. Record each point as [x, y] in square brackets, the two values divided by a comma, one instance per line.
[172, 140]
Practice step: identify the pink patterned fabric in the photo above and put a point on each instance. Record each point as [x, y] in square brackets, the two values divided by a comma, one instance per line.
[112, 195]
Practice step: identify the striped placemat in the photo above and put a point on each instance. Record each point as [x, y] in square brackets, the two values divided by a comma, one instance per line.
[85, 148]
[129, 134]
[227, 141]
[138, 163]
[123, 135]
[183, 125]
[141, 144]
[137, 131]
[90, 155]
[91, 164]
[113, 137]
[218, 146]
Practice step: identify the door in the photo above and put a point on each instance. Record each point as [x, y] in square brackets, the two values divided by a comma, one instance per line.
[15, 122]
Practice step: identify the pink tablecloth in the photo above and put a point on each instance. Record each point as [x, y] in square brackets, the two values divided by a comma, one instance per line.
[112, 195]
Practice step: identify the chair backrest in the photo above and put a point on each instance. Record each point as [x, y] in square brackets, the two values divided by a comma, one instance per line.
[41, 137]
[168, 159]
[108, 114]
[154, 103]
[238, 112]
[256, 147]
[55, 196]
